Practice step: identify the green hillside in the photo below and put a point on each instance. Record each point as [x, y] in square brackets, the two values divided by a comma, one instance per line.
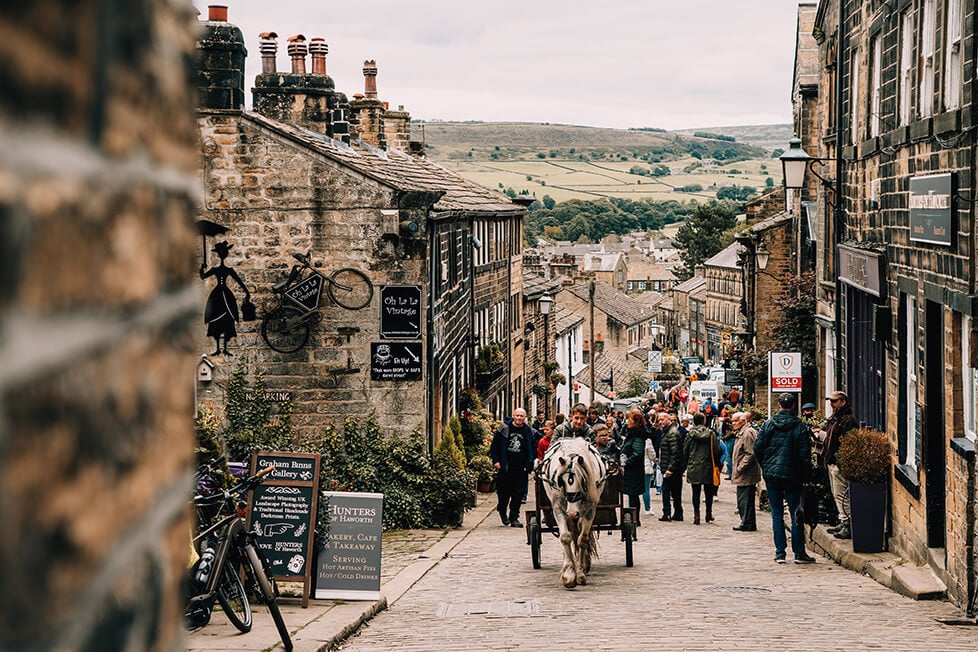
[574, 162]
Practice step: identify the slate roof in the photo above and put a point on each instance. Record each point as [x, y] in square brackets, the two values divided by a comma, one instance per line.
[565, 319]
[727, 257]
[395, 169]
[645, 270]
[603, 364]
[601, 262]
[534, 285]
[617, 305]
[690, 284]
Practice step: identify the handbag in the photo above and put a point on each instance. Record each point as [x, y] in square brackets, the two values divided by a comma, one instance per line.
[247, 310]
[716, 469]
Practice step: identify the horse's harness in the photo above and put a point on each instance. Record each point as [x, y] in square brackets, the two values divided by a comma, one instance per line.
[571, 496]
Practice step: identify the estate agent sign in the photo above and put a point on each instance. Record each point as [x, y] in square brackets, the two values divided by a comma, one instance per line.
[785, 370]
[931, 209]
[349, 564]
[283, 513]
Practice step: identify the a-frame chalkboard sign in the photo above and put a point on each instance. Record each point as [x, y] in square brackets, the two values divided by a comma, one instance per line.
[282, 513]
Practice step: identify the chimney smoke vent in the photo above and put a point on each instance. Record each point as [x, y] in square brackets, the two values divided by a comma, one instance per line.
[217, 13]
[370, 79]
[318, 49]
[268, 46]
[298, 51]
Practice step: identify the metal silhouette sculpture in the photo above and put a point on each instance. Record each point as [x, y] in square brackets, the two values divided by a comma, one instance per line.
[221, 313]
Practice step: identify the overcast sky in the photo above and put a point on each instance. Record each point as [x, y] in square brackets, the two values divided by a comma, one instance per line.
[612, 63]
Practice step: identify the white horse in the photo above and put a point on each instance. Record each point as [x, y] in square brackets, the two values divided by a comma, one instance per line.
[573, 473]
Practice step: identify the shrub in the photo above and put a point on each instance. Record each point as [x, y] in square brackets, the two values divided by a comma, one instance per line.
[864, 456]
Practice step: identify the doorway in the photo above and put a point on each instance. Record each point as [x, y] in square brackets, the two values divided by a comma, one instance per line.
[934, 437]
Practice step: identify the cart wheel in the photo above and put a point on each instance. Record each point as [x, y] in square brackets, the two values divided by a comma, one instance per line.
[627, 531]
[533, 531]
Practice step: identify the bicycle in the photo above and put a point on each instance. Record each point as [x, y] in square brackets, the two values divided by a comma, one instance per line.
[225, 548]
[286, 327]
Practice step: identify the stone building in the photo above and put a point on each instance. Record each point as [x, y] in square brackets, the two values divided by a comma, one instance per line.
[689, 332]
[97, 297]
[896, 98]
[310, 171]
[539, 350]
[621, 324]
[724, 289]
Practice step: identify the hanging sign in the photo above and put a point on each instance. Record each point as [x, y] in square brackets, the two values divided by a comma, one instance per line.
[307, 292]
[932, 209]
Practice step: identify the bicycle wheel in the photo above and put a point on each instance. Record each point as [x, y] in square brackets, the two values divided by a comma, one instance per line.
[265, 583]
[350, 288]
[232, 598]
[285, 330]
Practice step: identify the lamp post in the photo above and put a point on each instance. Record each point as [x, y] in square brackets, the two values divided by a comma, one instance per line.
[545, 304]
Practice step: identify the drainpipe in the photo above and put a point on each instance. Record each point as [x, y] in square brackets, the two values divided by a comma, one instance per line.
[837, 209]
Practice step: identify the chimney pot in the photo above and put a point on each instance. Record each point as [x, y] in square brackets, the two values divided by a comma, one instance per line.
[298, 51]
[370, 79]
[217, 13]
[268, 46]
[319, 50]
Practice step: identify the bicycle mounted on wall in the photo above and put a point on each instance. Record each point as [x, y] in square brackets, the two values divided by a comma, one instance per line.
[286, 327]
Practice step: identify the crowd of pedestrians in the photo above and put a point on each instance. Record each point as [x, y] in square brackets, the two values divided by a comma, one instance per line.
[675, 436]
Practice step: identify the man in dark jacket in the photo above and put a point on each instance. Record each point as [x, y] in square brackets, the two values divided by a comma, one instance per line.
[784, 451]
[837, 427]
[672, 463]
[512, 454]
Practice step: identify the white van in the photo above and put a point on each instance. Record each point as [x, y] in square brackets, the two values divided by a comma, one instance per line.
[704, 389]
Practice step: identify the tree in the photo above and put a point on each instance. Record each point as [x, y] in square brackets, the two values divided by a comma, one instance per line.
[661, 171]
[777, 153]
[636, 384]
[736, 193]
[701, 235]
[769, 182]
[549, 202]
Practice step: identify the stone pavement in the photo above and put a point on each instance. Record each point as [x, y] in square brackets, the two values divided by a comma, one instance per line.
[407, 556]
[692, 587]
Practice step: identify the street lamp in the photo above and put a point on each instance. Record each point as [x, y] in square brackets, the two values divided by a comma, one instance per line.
[545, 305]
[762, 256]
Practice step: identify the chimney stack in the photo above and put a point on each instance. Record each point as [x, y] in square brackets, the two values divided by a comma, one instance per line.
[319, 50]
[298, 51]
[370, 79]
[268, 46]
[220, 71]
[296, 97]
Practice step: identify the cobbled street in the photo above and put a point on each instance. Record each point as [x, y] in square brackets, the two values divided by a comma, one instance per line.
[693, 587]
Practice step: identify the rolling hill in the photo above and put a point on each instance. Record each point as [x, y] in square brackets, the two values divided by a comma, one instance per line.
[575, 162]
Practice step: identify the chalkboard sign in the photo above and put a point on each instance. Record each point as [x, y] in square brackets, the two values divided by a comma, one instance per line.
[282, 513]
[400, 311]
[348, 567]
[396, 361]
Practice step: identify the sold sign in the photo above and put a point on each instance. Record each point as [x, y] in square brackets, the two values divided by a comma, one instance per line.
[785, 371]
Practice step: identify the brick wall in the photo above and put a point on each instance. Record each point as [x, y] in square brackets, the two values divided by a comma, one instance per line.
[96, 213]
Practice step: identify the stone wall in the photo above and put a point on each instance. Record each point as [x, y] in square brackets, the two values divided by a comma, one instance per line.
[277, 197]
[96, 213]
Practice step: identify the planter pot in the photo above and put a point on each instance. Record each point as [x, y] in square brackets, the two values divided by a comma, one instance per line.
[485, 486]
[868, 508]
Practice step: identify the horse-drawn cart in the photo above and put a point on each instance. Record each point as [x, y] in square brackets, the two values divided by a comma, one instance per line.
[611, 515]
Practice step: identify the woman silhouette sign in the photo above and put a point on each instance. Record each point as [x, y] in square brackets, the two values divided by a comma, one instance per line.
[221, 312]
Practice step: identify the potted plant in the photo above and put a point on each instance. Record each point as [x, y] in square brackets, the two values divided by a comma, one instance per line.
[557, 378]
[484, 471]
[864, 459]
[490, 357]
